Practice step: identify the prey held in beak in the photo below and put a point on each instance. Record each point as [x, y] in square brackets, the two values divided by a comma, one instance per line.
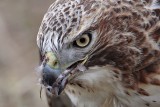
[53, 77]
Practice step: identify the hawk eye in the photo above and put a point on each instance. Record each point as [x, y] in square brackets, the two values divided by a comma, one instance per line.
[83, 41]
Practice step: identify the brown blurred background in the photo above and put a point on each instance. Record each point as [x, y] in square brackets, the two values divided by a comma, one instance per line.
[19, 24]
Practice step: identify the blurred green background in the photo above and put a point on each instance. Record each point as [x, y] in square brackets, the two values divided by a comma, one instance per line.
[19, 24]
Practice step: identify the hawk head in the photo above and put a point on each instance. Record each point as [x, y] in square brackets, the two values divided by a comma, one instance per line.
[78, 37]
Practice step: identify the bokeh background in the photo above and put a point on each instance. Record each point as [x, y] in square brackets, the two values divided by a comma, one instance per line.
[19, 24]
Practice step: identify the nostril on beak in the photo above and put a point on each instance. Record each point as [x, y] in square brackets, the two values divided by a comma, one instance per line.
[50, 75]
[52, 60]
[55, 63]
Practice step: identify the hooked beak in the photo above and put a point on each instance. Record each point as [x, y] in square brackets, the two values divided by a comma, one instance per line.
[54, 78]
[50, 72]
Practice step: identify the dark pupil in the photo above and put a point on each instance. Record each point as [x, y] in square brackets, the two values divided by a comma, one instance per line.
[82, 40]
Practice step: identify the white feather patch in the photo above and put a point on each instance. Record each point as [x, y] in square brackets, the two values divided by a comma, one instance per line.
[154, 5]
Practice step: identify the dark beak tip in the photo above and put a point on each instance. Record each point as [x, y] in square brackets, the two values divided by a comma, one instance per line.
[50, 75]
[56, 91]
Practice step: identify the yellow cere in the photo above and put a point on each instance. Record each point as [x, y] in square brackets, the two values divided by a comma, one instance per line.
[52, 60]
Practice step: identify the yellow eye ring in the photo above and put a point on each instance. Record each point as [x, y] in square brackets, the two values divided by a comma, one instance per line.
[83, 41]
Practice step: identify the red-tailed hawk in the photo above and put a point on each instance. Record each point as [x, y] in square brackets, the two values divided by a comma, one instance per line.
[102, 53]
